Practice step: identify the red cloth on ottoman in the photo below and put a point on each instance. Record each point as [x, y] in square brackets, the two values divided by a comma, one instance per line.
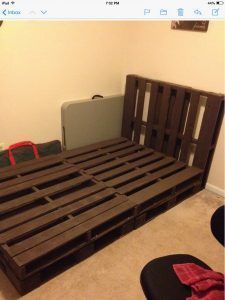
[205, 284]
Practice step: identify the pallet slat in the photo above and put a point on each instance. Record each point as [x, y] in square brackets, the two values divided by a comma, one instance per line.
[28, 166]
[96, 153]
[25, 200]
[194, 103]
[176, 118]
[44, 235]
[164, 185]
[123, 169]
[92, 147]
[100, 160]
[43, 215]
[119, 161]
[105, 212]
[150, 178]
[136, 173]
[140, 107]
[163, 117]
[151, 112]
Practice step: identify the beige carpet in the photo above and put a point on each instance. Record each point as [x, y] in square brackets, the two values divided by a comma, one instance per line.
[113, 273]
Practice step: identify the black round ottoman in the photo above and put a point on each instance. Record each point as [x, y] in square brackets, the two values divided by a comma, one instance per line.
[217, 224]
[159, 281]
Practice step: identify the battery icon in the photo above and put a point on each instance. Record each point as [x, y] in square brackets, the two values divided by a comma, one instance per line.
[219, 2]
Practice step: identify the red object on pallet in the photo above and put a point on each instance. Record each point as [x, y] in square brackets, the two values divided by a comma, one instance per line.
[22, 144]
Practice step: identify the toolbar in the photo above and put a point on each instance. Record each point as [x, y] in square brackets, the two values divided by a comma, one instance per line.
[122, 9]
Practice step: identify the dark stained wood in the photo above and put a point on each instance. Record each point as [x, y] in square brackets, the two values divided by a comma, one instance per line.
[37, 174]
[26, 167]
[163, 117]
[150, 178]
[123, 169]
[211, 123]
[97, 161]
[119, 161]
[92, 147]
[140, 106]
[129, 106]
[56, 211]
[97, 153]
[164, 185]
[207, 131]
[105, 211]
[50, 191]
[44, 179]
[30, 214]
[37, 238]
[185, 145]
[151, 111]
[176, 118]
[171, 120]
[137, 173]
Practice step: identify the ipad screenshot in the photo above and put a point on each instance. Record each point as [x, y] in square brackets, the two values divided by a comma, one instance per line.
[112, 149]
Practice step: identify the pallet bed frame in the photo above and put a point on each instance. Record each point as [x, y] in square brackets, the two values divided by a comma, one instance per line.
[58, 210]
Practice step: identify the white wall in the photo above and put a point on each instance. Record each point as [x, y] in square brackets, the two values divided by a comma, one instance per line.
[43, 64]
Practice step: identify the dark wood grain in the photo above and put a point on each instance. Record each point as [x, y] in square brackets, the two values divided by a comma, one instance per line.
[163, 117]
[129, 106]
[189, 129]
[140, 107]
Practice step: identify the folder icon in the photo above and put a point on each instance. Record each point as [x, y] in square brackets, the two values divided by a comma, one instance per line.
[163, 12]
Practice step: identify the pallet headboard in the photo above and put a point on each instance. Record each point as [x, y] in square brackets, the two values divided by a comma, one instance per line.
[179, 121]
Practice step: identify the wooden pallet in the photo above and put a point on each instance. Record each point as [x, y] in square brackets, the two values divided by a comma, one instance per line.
[57, 211]
[60, 209]
[173, 113]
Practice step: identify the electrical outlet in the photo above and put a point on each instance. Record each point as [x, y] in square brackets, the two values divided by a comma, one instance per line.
[2, 146]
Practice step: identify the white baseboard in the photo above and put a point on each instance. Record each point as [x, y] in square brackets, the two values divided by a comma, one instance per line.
[215, 189]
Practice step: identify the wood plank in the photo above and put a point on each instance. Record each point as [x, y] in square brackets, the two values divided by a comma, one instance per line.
[208, 127]
[29, 163]
[129, 106]
[92, 219]
[138, 163]
[48, 233]
[30, 214]
[176, 118]
[163, 117]
[134, 174]
[25, 200]
[35, 175]
[97, 153]
[31, 167]
[151, 112]
[37, 181]
[187, 139]
[92, 147]
[150, 178]
[164, 185]
[100, 160]
[140, 106]
[119, 161]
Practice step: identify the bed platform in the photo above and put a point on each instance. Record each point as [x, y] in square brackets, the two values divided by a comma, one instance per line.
[58, 210]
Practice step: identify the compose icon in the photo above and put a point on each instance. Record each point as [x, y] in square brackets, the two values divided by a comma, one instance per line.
[215, 12]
